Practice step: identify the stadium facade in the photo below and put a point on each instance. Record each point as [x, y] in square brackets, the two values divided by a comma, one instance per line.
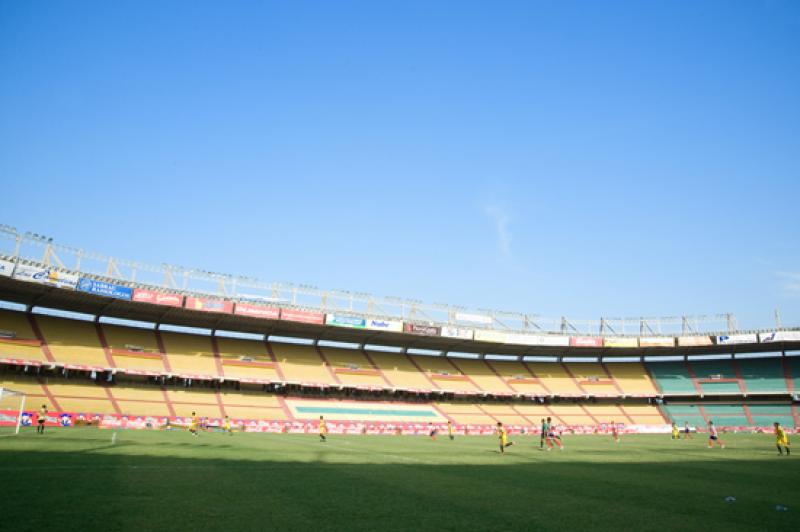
[275, 357]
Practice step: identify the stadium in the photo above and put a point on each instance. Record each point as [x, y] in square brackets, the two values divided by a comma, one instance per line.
[378, 266]
[101, 348]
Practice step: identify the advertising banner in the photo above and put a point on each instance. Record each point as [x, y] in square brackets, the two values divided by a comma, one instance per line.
[780, 336]
[257, 311]
[736, 339]
[586, 341]
[101, 288]
[345, 321]
[457, 332]
[621, 342]
[692, 341]
[385, 325]
[45, 275]
[6, 268]
[474, 318]
[425, 330]
[537, 339]
[157, 298]
[656, 341]
[483, 335]
[302, 316]
[209, 305]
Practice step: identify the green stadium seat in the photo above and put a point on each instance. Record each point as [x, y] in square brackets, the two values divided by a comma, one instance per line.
[672, 377]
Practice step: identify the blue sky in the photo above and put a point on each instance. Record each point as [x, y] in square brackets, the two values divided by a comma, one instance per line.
[564, 158]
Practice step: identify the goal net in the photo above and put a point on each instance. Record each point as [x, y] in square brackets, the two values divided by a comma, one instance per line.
[12, 408]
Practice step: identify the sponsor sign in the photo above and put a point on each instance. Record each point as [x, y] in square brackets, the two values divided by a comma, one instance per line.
[301, 316]
[690, 341]
[474, 318]
[102, 288]
[586, 341]
[257, 311]
[345, 321]
[457, 332]
[657, 341]
[425, 330]
[157, 298]
[736, 339]
[209, 305]
[385, 325]
[620, 342]
[483, 335]
[537, 339]
[780, 336]
[45, 275]
[6, 268]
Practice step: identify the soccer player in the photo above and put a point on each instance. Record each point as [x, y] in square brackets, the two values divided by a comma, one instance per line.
[193, 426]
[41, 420]
[432, 431]
[676, 434]
[503, 435]
[781, 439]
[323, 430]
[687, 434]
[713, 436]
[543, 434]
[450, 433]
[227, 426]
[614, 432]
[552, 436]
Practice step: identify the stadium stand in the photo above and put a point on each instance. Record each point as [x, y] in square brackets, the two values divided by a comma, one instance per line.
[444, 374]
[593, 378]
[680, 414]
[246, 359]
[400, 371]
[763, 375]
[518, 377]
[188, 354]
[139, 353]
[632, 378]
[352, 368]
[72, 341]
[133, 349]
[484, 377]
[673, 378]
[556, 379]
[715, 376]
[302, 364]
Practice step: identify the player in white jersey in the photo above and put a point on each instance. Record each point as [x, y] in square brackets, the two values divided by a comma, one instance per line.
[713, 436]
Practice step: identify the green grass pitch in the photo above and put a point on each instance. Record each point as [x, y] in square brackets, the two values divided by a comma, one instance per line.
[75, 479]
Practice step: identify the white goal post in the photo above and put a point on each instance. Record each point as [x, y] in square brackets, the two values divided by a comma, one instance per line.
[11, 401]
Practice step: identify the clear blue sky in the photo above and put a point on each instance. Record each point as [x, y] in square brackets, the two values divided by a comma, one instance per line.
[577, 158]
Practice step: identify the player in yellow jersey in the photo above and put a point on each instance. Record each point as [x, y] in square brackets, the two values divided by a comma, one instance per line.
[781, 439]
[42, 419]
[323, 430]
[227, 426]
[193, 426]
[503, 435]
[676, 434]
[450, 433]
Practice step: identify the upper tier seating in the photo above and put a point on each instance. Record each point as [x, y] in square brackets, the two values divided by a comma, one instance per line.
[763, 375]
[22, 342]
[672, 377]
[715, 376]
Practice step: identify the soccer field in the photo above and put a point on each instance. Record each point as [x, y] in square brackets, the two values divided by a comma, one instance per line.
[76, 479]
